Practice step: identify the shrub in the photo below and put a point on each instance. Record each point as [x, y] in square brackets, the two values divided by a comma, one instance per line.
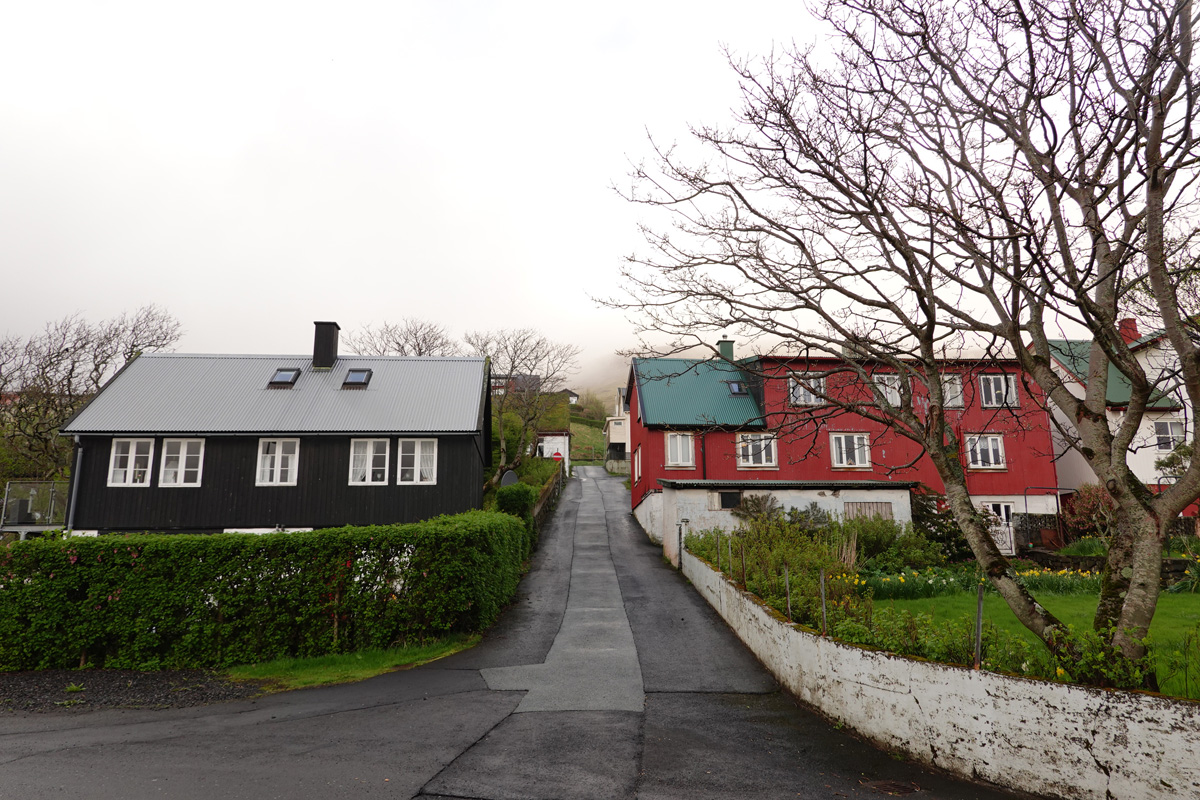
[936, 523]
[184, 601]
[518, 500]
[538, 471]
[887, 546]
[1088, 512]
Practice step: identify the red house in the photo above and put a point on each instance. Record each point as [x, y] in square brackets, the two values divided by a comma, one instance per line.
[704, 432]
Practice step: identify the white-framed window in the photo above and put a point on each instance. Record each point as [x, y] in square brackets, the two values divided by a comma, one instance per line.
[278, 460]
[681, 450]
[805, 389]
[130, 462]
[850, 449]
[889, 387]
[756, 450]
[182, 462]
[1003, 512]
[985, 451]
[998, 391]
[637, 464]
[952, 391]
[418, 461]
[369, 462]
[1169, 434]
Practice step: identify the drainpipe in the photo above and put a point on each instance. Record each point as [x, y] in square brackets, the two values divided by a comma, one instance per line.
[75, 483]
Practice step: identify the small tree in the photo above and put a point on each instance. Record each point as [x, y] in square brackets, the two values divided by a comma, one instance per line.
[45, 378]
[527, 370]
[408, 337]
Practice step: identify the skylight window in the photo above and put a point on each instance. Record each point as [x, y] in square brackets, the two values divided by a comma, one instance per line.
[284, 378]
[737, 387]
[357, 379]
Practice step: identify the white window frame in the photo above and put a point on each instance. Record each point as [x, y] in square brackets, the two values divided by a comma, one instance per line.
[995, 442]
[637, 464]
[859, 443]
[952, 391]
[418, 477]
[681, 450]
[752, 445]
[1171, 439]
[181, 470]
[277, 467]
[131, 469]
[988, 385]
[369, 455]
[804, 390]
[1003, 512]
[889, 386]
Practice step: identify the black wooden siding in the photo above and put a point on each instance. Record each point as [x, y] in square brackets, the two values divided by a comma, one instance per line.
[228, 498]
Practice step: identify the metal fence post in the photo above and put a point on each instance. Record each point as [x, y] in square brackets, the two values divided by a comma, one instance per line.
[787, 587]
[823, 619]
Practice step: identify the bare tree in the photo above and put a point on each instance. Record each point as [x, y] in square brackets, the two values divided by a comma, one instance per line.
[985, 173]
[409, 337]
[527, 371]
[45, 378]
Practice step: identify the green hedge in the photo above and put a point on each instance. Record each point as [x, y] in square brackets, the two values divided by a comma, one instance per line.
[154, 601]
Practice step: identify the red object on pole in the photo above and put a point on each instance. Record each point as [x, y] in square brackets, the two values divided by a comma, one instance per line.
[557, 456]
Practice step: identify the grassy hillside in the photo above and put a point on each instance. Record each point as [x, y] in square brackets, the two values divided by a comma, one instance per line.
[583, 439]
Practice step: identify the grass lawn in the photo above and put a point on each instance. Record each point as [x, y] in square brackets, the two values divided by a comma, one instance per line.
[1176, 657]
[1177, 614]
[297, 673]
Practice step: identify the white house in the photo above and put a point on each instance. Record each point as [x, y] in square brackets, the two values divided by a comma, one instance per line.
[1164, 425]
[616, 430]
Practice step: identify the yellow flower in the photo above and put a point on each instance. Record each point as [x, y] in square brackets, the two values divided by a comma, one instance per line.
[1060, 672]
[902, 579]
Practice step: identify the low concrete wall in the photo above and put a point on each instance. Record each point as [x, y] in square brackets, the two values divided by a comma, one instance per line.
[1052, 739]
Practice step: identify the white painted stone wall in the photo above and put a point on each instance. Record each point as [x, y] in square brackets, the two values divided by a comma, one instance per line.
[649, 515]
[1052, 739]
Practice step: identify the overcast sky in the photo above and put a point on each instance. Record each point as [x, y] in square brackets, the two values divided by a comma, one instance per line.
[253, 167]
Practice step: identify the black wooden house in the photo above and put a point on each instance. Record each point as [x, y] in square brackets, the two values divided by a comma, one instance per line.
[256, 443]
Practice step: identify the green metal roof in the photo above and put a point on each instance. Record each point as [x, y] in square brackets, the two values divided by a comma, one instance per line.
[689, 393]
[1074, 355]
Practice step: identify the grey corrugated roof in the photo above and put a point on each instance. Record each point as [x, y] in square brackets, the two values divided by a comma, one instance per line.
[171, 393]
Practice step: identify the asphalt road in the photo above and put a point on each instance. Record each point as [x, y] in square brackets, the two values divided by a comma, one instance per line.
[608, 678]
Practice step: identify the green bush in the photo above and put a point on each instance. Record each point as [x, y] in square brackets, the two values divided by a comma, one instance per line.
[518, 500]
[887, 546]
[155, 601]
[938, 524]
[538, 471]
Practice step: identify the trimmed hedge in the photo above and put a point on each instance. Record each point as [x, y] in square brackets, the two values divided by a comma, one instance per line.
[183, 601]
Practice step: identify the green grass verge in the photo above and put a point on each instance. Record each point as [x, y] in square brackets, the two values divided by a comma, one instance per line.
[297, 673]
[1174, 634]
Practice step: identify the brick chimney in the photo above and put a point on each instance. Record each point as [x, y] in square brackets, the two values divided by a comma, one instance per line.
[325, 345]
[725, 348]
[1129, 330]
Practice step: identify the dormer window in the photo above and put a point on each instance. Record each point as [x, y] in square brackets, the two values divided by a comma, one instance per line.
[737, 387]
[357, 379]
[284, 378]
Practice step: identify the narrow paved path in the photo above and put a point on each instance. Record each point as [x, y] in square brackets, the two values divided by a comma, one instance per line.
[607, 678]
